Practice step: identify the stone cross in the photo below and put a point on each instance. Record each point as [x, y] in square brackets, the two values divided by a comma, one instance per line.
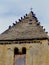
[31, 9]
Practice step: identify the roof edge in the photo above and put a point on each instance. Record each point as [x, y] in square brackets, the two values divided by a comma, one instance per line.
[26, 39]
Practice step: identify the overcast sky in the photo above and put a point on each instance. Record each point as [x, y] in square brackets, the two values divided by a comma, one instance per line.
[12, 10]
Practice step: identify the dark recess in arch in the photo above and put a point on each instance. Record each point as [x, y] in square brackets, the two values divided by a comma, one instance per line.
[16, 51]
[23, 50]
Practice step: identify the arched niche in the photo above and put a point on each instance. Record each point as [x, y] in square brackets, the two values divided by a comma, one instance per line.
[24, 50]
[16, 51]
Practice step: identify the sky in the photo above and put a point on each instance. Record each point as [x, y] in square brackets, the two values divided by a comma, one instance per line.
[12, 10]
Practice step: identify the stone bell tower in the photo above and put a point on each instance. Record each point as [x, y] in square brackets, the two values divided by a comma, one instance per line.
[24, 43]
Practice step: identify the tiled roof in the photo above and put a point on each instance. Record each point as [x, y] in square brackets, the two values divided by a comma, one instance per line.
[27, 28]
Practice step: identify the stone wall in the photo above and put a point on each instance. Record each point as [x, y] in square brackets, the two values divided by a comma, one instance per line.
[36, 53]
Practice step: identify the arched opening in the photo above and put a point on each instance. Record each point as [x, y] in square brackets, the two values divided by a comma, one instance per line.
[20, 57]
[23, 50]
[16, 51]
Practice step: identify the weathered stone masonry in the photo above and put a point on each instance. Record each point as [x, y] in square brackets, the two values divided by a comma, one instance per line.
[26, 40]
